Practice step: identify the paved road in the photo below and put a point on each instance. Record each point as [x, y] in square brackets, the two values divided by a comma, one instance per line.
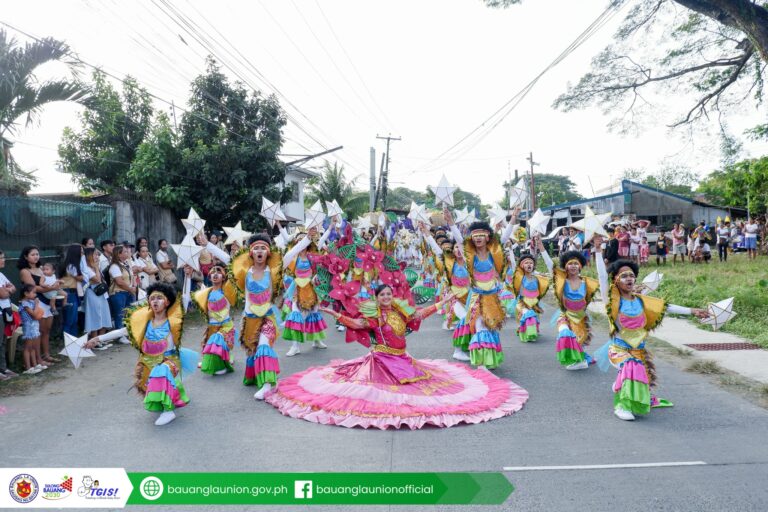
[88, 419]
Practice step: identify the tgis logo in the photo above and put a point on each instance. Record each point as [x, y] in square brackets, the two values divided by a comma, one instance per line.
[91, 490]
[23, 488]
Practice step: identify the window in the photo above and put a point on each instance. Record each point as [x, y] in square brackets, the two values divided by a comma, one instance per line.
[294, 191]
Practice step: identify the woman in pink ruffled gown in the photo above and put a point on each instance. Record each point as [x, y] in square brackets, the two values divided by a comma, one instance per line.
[387, 387]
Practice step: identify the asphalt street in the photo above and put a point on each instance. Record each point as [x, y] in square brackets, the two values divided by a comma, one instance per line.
[89, 418]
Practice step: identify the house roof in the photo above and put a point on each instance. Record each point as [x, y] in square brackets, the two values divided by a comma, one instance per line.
[301, 172]
[581, 201]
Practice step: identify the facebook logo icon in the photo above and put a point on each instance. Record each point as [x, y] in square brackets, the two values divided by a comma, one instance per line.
[302, 489]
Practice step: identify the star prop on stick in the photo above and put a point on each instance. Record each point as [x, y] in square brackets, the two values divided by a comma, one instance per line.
[333, 209]
[73, 349]
[461, 216]
[363, 222]
[592, 224]
[538, 223]
[237, 234]
[497, 215]
[271, 211]
[193, 223]
[552, 234]
[187, 253]
[653, 280]
[719, 313]
[518, 193]
[314, 216]
[418, 213]
[443, 192]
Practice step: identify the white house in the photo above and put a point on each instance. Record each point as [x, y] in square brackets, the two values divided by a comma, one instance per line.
[295, 179]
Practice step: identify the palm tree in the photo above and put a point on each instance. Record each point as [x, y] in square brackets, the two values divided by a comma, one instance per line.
[332, 184]
[23, 96]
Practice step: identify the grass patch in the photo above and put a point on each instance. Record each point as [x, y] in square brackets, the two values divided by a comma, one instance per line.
[763, 390]
[705, 366]
[696, 285]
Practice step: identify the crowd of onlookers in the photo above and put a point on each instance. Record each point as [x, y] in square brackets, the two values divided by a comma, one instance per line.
[88, 290]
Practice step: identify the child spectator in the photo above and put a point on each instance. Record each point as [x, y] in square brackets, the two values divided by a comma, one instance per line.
[50, 279]
[706, 251]
[6, 318]
[30, 324]
[634, 245]
[662, 248]
[645, 250]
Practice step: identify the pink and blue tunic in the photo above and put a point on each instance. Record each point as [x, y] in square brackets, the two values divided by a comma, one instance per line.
[527, 314]
[220, 335]
[301, 325]
[460, 284]
[485, 344]
[573, 317]
[164, 389]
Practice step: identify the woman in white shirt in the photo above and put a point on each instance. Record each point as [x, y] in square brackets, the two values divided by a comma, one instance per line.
[148, 272]
[750, 238]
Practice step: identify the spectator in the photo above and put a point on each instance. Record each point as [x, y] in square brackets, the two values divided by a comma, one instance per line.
[71, 280]
[750, 238]
[6, 317]
[562, 241]
[30, 273]
[31, 312]
[165, 266]
[53, 296]
[624, 241]
[611, 247]
[634, 245]
[141, 242]
[98, 318]
[148, 272]
[644, 250]
[88, 243]
[107, 246]
[121, 289]
[706, 251]
[206, 262]
[662, 248]
[723, 239]
[678, 243]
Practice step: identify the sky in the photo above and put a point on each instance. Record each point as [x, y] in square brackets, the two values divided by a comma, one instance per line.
[427, 71]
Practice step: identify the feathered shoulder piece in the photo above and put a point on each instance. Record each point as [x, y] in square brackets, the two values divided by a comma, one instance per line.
[242, 261]
[653, 308]
[494, 249]
[137, 318]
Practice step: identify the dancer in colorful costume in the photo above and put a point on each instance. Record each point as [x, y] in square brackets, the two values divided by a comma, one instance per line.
[155, 330]
[304, 323]
[387, 387]
[631, 317]
[573, 292]
[485, 316]
[215, 304]
[256, 272]
[529, 288]
[451, 264]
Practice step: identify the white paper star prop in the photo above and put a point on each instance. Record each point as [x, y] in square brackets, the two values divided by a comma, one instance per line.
[518, 193]
[279, 242]
[333, 209]
[719, 313]
[237, 234]
[418, 213]
[496, 215]
[193, 223]
[443, 192]
[74, 349]
[552, 234]
[187, 253]
[471, 217]
[271, 211]
[363, 222]
[592, 224]
[538, 223]
[314, 216]
[653, 280]
[461, 216]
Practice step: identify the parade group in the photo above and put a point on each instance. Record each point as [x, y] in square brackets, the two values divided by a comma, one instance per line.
[375, 279]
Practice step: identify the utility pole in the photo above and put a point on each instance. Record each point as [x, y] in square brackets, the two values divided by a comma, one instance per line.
[372, 191]
[533, 184]
[173, 111]
[385, 175]
[381, 176]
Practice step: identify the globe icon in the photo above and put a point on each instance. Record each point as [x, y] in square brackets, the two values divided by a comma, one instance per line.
[151, 488]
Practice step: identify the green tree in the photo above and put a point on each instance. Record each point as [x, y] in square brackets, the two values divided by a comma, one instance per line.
[744, 183]
[22, 95]
[674, 178]
[225, 159]
[332, 184]
[714, 50]
[100, 154]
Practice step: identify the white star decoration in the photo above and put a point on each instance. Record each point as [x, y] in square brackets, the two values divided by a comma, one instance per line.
[193, 223]
[363, 222]
[720, 312]
[518, 193]
[73, 349]
[497, 215]
[418, 213]
[314, 216]
[443, 192]
[236, 234]
[592, 224]
[461, 216]
[188, 253]
[538, 223]
[333, 209]
[653, 280]
[271, 211]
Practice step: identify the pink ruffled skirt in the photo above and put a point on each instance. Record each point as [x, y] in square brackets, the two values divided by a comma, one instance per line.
[383, 390]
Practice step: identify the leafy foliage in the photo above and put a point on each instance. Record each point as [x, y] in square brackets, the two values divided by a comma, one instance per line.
[550, 189]
[742, 183]
[674, 178]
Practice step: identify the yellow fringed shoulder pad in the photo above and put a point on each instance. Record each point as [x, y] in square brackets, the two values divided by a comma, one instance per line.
[543, 284]
[238, 268]
[558, 279]
[138, 318]
[593, 286]
[275, 264]
[494, 249]
[654, 309]
[176, 319]
[231, 293]
[201, 299]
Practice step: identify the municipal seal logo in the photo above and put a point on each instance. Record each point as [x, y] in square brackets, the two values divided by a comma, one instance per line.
[23, 488]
